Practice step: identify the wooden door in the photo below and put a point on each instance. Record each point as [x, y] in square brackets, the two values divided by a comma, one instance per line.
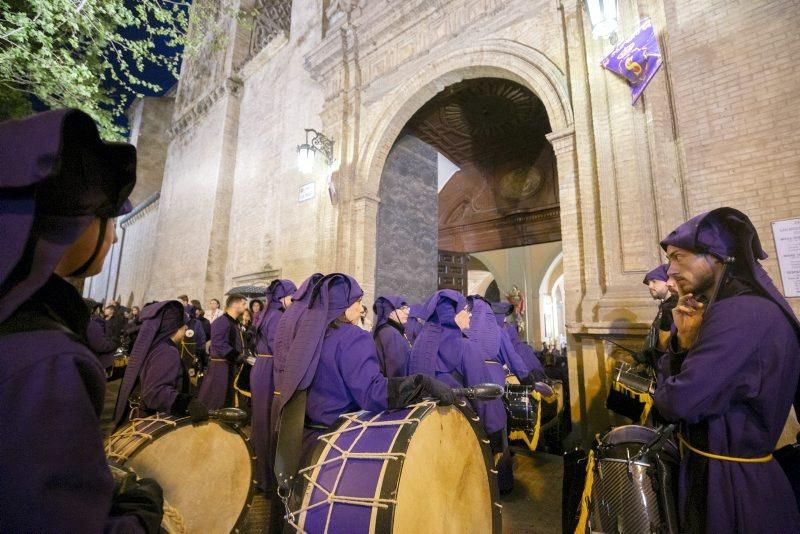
[453, 271]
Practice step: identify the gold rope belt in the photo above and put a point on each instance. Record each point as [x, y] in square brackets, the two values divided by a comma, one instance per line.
[218, 360]
[713, 456]
[263, 355]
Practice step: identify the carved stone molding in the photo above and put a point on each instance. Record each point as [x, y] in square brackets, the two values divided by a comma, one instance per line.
[273, 18]
[190, 117]
[141, 211]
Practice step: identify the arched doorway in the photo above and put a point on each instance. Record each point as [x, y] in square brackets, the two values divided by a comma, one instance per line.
[470, 198]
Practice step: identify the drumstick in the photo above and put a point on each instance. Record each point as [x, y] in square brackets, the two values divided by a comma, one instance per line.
[232, 416]
[480, 391]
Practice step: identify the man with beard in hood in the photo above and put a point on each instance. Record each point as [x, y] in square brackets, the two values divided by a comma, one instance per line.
[262, 386]
[388, 331]
[728, 378]
[60, 189]
[332, 368]
[227, 348]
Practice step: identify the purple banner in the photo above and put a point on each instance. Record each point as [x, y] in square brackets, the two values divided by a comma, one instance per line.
[637, 58]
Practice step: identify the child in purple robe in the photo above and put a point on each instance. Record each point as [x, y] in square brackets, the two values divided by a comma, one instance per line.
[262, 386]
[156, 380]
[388, 331]
[414, 323]
[729, 377]
[227, 350]
[60, 189]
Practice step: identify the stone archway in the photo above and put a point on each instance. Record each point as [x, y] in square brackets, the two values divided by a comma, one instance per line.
[490, 58]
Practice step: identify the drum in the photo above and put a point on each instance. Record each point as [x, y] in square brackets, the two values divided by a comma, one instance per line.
[529, 411]
[631, 482]
[419, 469]
[206, 470]
[631, 393]
[117, 370]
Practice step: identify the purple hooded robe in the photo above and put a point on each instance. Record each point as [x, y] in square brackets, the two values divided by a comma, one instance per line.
[98, 336]
[441, 350]
[56, 176]
[155, 364]
[393, 347]
[262, 386]
[415, 323]
[484, 332]
[732, 390]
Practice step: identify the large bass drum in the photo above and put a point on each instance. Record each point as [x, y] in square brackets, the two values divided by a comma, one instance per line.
[420, 469]
[205, 470]
[632, 478]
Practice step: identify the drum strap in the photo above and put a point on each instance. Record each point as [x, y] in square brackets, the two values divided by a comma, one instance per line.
[721, 457]
[290, 437]
[586, 498]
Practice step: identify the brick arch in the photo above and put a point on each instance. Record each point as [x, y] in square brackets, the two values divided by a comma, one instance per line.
[497, 58]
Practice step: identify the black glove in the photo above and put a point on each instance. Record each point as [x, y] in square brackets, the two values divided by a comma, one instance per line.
[197, 410]
[145, 501]
[438, 390]
[533, 377]
[407, 390]
[180, 407]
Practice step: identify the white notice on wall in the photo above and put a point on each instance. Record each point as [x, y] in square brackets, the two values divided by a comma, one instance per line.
[787, 245]
[306, 192]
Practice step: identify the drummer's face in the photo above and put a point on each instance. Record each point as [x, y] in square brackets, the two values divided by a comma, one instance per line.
[287, 301]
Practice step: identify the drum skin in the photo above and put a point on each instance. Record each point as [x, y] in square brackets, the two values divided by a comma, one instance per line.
[425, 467]
[205, 470]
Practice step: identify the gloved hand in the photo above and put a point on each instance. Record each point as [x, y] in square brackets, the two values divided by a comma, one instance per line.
[438, 390]
[197, 410]
[145, 500]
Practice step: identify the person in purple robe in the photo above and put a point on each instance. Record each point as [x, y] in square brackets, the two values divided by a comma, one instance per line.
[388, 331]
[227, 350]
[657, 281]
[443, 351]
[728, 378]
[60, 189]
[262, 386]
[414, 323]
[156, 379]
[98, 335]
[335, 364]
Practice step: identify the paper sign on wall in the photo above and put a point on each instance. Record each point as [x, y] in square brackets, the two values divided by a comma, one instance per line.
[787, 245]
[306, 192]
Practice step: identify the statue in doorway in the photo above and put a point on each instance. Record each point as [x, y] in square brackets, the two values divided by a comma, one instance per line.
[517, 299]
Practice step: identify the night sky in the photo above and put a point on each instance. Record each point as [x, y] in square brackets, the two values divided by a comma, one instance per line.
[152, 73]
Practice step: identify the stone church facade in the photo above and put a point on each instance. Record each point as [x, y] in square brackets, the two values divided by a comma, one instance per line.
[219, 203]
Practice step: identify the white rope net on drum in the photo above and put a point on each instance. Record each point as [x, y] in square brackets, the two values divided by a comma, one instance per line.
[138, 429]
[353, 424]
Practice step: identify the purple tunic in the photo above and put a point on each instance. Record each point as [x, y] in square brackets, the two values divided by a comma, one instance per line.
[161, 378]
[442, 351]
[348, 378]
[100, 341]
[734, 390]
[415, 323]
[227, 344]
[262, 384]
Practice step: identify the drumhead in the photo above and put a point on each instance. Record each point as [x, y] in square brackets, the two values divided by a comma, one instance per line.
[428, 466]
[205, 470]
[443, 485]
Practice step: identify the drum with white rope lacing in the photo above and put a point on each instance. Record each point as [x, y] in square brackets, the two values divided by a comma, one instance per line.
[205, 470]
[424, 468]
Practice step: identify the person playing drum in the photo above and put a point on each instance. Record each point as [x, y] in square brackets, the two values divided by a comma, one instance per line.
[155, 368]
[60, 189]
[344, 361]
[729, 377]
